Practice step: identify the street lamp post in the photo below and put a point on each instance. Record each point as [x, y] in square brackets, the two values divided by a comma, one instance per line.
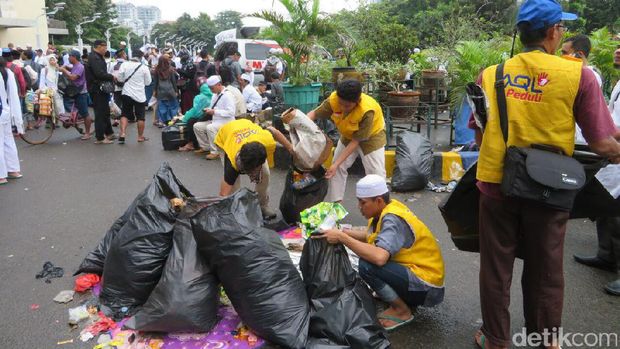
[79, 31]
[108, 35]
[57, 7]
[129, 45]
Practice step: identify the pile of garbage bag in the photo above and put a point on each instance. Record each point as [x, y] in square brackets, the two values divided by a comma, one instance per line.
[164, 260]
[414, 158]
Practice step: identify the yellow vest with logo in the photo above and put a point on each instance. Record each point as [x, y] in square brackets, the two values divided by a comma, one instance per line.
[348, 124]
[540, 93]
[423, 258]
[233, 135]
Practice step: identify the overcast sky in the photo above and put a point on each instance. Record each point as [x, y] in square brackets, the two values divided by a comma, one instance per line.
[172, 9]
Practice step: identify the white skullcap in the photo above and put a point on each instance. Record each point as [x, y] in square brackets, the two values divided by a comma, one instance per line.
[213, 80]
[246, 77]
[371, 186]
[123, 43]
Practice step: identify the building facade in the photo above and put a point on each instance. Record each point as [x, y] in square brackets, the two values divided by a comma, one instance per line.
[23, 23]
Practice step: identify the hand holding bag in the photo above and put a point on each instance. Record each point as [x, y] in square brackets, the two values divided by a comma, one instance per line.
[541, 172]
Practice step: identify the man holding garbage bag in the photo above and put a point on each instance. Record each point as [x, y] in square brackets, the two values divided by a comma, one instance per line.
[399, 256]
[359, 120]
[247, 147]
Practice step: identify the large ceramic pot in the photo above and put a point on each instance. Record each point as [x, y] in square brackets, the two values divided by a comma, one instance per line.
[345, 73]
[404, 103]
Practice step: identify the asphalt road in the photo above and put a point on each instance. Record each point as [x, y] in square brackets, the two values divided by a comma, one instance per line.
[73, 190]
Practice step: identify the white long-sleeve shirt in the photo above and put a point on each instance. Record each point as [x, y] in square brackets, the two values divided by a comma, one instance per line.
[11, 105]
[240, 106]
[253, 100]
[224, 105]
[134, 87]
[45, 81]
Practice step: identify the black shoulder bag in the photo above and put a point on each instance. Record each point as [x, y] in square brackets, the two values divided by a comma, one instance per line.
[540, 172]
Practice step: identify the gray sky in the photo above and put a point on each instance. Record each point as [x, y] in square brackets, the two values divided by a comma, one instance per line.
[171, 10]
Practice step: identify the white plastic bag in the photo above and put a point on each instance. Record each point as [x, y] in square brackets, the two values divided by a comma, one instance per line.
[311, 146]
[115, 110]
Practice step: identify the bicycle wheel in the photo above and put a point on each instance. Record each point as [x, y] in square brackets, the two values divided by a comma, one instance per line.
[38, 129]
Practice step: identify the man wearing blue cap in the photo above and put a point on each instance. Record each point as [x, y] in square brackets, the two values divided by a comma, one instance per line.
[544, 96]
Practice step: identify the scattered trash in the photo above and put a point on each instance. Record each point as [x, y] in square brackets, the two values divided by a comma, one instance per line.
[34, 306]
[65, 296]
[86, 282]
[42, 238]
[10, 256]
[104, 339]
[26, 189]
[68, 341]
[103, 323]
[50, 271]
[441, 188]
[307, 194]
[415, 197]
[78, 314]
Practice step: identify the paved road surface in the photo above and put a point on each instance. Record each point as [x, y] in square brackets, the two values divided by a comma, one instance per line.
[73, 190]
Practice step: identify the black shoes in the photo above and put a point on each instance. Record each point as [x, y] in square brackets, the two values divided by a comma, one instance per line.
[613, 288]
[596, 262]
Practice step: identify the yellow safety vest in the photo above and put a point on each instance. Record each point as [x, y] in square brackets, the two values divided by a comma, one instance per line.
[233, 135]
[540, 93]
[423, 258]
[348, 124]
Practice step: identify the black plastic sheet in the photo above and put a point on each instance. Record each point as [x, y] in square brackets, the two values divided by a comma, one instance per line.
[255, 269]
[136, 257]
[343, 310]
[187, 295]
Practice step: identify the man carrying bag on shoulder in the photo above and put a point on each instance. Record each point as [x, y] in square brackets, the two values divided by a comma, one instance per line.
[534, 100]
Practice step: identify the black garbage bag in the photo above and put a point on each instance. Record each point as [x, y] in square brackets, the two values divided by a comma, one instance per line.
[94, 261]
[343, 310]
[414, 157]
[137, 255]
[255, 269]
[293, 201]
[187, 295]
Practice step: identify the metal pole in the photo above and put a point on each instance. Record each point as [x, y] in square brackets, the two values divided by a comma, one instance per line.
[107, 37]
[129, 45]
[78, 31]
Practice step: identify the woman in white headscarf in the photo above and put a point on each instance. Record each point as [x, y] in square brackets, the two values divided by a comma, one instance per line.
[49, 80]
[10, 116]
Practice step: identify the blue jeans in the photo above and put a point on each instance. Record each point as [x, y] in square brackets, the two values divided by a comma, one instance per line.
[81, 104]
[148, 90]
[392, 281]
[166, 110]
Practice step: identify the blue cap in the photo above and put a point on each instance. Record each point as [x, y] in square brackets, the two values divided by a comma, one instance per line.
[543, 13]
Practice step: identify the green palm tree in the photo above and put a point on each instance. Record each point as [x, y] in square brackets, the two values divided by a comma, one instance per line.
[298, 32]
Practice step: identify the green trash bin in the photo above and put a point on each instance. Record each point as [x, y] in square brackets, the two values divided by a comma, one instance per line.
[304, 98]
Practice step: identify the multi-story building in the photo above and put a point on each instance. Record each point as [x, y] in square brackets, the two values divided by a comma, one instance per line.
[149, 15]
[140, 19]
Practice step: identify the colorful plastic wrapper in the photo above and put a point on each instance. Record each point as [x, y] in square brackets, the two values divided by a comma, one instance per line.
[323, 215]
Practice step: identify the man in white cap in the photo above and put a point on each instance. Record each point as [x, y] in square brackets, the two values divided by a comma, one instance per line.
[253, 101]
[399, 256]
[220, 112]
[122, 46]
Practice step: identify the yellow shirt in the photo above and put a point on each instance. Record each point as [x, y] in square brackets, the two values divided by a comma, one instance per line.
[540, 93]
[233, 135]
[423, 258]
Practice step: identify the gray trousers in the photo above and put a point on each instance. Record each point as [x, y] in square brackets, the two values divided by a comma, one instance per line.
[608, 231]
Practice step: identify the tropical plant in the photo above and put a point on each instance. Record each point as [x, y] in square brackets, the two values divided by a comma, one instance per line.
[386, 75]
[470, 58]
[602, 57]
[319, 69]
[348, 45]
[298, 34]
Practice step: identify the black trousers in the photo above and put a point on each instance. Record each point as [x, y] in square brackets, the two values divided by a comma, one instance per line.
[608, 231]
[191, 136]
[103, 125]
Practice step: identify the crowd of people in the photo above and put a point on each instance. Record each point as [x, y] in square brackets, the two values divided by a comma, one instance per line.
[400, 258]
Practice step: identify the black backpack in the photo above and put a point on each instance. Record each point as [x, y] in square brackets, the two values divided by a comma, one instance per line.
[226, 73]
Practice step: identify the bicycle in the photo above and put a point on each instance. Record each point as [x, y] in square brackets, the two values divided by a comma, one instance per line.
[41, 129]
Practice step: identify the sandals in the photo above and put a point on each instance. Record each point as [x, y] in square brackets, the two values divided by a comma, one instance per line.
[3, 181]
[121, 140]
[399, 322]
[104, 141]
[143, 139]
[482, 340]
[86, 137]
[14, 176]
